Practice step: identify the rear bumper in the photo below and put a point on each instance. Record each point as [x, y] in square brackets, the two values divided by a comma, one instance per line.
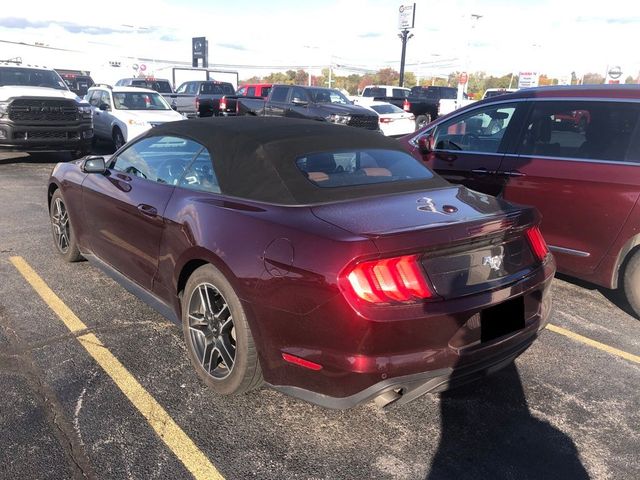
[441, 346]
[18, 137]
[410, 387]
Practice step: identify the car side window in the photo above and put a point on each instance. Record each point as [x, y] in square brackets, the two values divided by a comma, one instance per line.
[251, 92]
[480, 130]
[279, 94]
[182, 88]
[242, 91]
[200, 175]
[581, 129]
[161, 159]
[94, 98]
[105, 98]
[299, 95]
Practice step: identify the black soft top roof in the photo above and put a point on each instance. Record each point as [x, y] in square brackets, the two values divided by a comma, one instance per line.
[254, 157]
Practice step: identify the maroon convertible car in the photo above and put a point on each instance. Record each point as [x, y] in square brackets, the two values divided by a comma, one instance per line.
[319, 259]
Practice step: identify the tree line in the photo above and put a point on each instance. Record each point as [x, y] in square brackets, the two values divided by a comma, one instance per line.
[479, 82]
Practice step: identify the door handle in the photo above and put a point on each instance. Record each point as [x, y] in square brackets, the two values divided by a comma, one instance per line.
[148, 210]
[513, 173]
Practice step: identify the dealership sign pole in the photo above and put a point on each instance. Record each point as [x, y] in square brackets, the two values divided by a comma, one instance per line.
[406, 20]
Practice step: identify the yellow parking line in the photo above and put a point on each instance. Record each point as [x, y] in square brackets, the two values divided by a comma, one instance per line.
[171, 434]
[592, 343]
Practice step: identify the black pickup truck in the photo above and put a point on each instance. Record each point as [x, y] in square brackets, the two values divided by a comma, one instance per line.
[312, 103]
[423, 102]
[202, 98]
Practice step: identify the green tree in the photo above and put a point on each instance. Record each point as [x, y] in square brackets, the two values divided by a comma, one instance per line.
[630, 79]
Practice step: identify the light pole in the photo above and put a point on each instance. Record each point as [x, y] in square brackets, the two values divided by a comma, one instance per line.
[314, 48]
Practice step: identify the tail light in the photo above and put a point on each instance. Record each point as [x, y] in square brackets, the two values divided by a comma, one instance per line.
[197, 103]
[406, 105]
[223, 104]
[384, 281]
[386, 120]
[538, 245]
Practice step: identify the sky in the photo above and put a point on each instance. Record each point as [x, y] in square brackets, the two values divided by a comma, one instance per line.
[553, 37]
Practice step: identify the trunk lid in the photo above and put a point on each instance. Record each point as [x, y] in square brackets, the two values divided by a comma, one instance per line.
[469, 241]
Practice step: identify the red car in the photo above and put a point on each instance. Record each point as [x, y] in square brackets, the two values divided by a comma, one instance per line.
[573, 153]
[254, 90]
[323, 260]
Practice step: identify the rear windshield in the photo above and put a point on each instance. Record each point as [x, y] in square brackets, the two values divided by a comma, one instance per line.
[375, 92]
[217, 89]
[361, 167]
[387, 109]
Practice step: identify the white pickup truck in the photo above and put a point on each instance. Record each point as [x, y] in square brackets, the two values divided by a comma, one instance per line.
[38, 112]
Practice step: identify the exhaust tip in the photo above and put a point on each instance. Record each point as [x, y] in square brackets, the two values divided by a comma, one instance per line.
[387, 398]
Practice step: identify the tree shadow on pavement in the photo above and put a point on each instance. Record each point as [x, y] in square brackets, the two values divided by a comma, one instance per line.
[488, 432]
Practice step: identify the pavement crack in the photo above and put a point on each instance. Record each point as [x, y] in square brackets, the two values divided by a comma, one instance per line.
[22, 363]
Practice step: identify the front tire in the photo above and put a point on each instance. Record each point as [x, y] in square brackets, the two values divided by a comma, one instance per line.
[118, 138]
[63, 234]
[631, 282]
[218, 338]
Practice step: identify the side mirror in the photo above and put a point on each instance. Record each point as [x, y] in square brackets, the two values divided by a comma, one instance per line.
[104, 107]
[94, 165]
[174, 107]
[426, 144]
[299, 102]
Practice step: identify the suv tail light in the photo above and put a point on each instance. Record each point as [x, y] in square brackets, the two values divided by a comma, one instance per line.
[406, 105]
[538, 245]
[386, 120]
[223, 104]
[197, 103]
[388, 280]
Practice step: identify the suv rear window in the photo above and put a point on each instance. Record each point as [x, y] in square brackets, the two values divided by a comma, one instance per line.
[361, 167]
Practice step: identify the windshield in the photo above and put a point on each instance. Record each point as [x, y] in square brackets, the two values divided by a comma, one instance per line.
[31, 77]
[326, 95]
[387, 109]
[139, 101]
[361, 167]
[162, 86]
[217, 89]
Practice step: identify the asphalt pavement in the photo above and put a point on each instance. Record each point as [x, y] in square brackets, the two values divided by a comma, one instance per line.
[566, 408]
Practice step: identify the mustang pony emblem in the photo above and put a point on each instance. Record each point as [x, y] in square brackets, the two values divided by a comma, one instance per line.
[493, 262]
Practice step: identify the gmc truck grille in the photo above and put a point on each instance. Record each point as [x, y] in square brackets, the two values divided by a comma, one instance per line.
[27, 110]
[364, 121]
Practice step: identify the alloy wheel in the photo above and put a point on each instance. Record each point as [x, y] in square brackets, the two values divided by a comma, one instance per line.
[60, 222]
[212, 331]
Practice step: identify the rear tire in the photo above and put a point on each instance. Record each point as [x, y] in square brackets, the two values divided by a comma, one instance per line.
[631, 282]
[217, 336]
[422, 121]
[62, 229]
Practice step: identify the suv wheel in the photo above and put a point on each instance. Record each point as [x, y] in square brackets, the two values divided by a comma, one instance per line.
[118, 138]
[219, 342]
[631, 282]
